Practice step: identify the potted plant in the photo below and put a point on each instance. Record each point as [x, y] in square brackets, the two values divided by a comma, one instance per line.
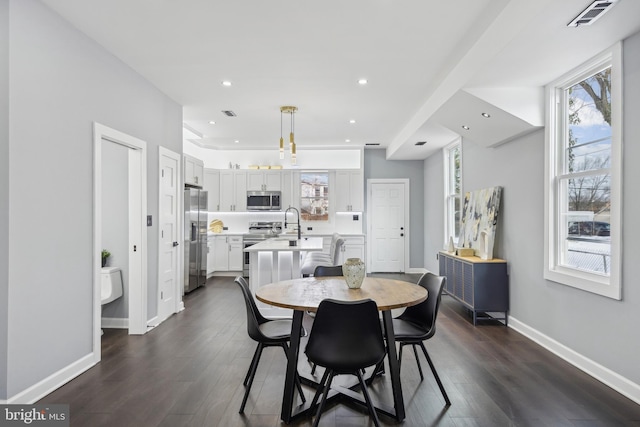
[105, 255]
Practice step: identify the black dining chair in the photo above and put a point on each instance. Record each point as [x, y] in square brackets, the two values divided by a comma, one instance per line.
[418, 324]
[327, 271]
[345, 338]
[267, 333]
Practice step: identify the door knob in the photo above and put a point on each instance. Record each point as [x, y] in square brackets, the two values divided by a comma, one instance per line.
[401, 228]
[175, 244]
[401, 234]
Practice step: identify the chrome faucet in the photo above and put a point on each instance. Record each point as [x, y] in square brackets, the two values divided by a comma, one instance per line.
[285, 220]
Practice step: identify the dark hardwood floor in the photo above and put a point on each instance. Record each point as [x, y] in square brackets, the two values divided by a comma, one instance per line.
[189, 372]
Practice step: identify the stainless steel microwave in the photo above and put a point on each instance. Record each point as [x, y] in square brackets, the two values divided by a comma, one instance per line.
[264, 200]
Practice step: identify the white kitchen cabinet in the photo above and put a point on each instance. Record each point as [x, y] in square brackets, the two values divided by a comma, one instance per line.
[349, 190]
[236, 256]
[228, 253]
[212, 186]
[193, 170]
[233, 190]
[211, 250]
[264, 180]
[353, 247]
[290, 187]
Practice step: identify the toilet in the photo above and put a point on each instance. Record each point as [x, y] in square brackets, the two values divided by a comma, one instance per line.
[111, 284]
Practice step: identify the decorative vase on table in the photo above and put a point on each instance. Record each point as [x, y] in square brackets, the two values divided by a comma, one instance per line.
[353, 272]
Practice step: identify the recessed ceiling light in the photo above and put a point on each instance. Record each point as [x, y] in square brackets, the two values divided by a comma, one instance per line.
[226, 83]
[465, 127]
[486, 115]
[211, 122]
[363, 82]
[237, 141]
[352, 121]
[347, 140]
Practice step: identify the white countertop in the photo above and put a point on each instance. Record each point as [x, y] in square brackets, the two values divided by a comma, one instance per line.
[281, 244]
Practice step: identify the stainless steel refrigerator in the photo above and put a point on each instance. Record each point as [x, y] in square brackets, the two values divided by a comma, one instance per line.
[195, 238]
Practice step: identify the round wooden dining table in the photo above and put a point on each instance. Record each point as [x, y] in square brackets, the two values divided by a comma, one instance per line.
[305, 294]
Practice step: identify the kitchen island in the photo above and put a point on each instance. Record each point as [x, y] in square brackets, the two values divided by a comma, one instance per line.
[274, 260]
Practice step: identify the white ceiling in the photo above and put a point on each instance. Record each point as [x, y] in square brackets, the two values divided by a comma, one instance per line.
[428, 63]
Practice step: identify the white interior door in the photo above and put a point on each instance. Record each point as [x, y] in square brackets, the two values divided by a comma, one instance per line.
[388, 226]
[168, 279]
[137, 184]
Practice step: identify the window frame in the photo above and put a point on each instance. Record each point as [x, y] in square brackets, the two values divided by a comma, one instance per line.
[608, 286]
[449, 197]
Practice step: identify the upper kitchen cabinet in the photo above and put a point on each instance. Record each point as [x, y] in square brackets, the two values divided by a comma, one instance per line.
[349, 190]
[193, 171]
[212, 186]
[264, 180]
[290, 189]
[233, 190]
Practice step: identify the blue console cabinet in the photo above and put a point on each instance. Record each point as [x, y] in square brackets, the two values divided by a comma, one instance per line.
[481, 285]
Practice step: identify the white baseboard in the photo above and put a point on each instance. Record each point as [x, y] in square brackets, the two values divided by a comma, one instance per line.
[53, 381]
[115, 323]
[603, 374]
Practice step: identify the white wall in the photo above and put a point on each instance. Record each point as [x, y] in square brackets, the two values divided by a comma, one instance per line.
[4, 192]
[60, 83]
[601, 330]
[306, 158]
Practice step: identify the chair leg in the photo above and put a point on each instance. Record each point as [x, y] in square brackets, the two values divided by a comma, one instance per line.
[253, 369]
[327, 387]
[253, 362]
[367, 398]
[435, 374]
[415, 352]
[320, 389]
[297, 379]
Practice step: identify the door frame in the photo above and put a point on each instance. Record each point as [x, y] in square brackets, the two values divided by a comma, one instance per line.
[177, 291]
[137, 171]
[407, 217]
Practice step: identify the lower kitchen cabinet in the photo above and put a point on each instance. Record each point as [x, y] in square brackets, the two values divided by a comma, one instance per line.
[353, 247]
[211, 251]
[228, 253]
[480, 285]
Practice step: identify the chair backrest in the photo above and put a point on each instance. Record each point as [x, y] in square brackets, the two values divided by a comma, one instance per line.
[254, 318]
[335, 257]
[327, 270]
[425, 313]
[346, 335]
[332, 247]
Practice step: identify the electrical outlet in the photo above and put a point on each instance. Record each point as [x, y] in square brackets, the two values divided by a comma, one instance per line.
[149, 221]
[309, 228]
[356, 217]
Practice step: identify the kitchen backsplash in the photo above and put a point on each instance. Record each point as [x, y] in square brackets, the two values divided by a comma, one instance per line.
[238, 222]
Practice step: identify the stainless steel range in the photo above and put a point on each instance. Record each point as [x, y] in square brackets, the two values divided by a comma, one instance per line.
[258, 232]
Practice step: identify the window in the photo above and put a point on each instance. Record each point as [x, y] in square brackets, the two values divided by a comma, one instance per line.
[453, 190]
[583, 164]
[314, 196]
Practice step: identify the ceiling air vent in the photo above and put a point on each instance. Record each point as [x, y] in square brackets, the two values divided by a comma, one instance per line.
[421, 143]
[229, 113]
[372, 144]
[592, 13]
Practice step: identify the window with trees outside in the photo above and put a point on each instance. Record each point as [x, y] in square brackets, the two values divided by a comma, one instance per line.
[583, 192]
[453, 190]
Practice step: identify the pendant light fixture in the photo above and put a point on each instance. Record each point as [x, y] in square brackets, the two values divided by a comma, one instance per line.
[281, 140]
[291, 110]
